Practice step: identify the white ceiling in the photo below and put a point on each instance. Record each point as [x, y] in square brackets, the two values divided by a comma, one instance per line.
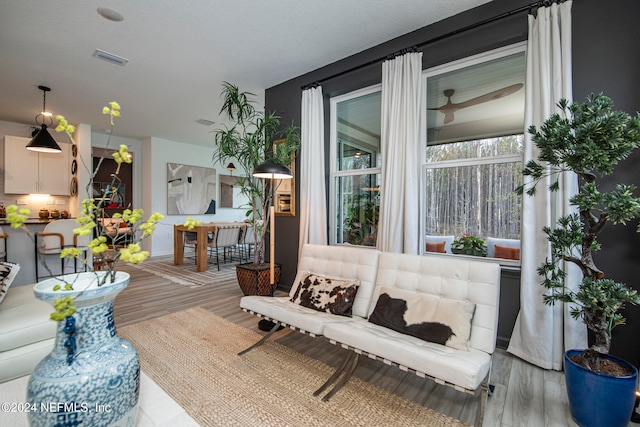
[180, 52]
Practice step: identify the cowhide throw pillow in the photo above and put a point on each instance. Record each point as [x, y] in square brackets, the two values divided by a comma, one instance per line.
[8, 271]
[333, 296]
[440, 320]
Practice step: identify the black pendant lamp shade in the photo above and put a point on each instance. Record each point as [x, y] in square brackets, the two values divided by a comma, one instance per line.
[43, 141]
[272, 171]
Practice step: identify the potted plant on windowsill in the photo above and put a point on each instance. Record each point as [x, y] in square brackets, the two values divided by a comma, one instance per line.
[249, 142]
[589, 139]
[469, 245]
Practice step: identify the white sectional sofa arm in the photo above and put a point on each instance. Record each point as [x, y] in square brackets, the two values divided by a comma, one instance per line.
[27, 334]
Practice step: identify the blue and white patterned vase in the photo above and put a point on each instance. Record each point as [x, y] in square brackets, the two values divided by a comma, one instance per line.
[92, 376]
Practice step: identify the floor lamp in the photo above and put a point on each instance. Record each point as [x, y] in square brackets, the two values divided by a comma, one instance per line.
[272, 171]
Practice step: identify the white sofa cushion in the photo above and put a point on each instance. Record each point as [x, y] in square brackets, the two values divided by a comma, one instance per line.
[449, 277]
[463, 368]
[24, 319]
[285, 311]
[21, 361]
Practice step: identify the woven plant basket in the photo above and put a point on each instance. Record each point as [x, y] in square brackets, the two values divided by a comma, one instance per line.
[254, 279]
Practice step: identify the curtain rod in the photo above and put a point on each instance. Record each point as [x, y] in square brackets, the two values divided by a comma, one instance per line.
[529, 8]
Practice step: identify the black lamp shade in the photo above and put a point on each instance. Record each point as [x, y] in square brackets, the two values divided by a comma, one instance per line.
[44, 142]
[231, 167]
[272, 171]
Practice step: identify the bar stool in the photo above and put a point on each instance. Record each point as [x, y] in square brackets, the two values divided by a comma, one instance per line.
[3, 245]
[56, 236]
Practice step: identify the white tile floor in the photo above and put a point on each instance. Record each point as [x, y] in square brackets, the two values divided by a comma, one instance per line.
[156, 408]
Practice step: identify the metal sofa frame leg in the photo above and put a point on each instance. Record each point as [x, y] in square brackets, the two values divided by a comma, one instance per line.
[339, 370]
[262, 340]
[485, 390]
[346, 369]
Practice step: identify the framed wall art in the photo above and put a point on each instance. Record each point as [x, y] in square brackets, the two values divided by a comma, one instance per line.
[191, 190]
[231, 193]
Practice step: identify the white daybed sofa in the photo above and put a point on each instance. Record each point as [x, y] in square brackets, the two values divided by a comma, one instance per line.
[407, 279]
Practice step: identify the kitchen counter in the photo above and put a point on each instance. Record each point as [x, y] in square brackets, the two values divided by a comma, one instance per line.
[21, 249]
[3, 221]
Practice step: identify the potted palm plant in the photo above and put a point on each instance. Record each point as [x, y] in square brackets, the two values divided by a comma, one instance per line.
[589, 139]
[248, 141]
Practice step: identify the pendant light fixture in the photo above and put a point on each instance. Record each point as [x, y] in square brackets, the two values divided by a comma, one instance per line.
[43, 141]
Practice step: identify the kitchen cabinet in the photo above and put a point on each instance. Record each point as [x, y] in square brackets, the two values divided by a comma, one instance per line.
[31, 172]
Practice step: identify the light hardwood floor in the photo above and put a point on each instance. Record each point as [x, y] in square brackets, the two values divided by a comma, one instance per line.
[524, 395]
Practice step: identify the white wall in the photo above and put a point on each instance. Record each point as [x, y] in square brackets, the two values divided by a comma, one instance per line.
[157, 153]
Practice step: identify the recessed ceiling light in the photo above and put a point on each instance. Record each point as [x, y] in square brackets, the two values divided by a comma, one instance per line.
[110, 14]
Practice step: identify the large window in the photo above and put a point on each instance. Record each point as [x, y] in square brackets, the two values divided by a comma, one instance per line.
[355, 167]
[473, 161]
[469, 188]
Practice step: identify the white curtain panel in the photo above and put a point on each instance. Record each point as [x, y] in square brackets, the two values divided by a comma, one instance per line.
[312, 206]
[399, 221]
[542, 333]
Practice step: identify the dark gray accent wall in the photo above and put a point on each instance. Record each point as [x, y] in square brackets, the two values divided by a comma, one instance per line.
[606, 57]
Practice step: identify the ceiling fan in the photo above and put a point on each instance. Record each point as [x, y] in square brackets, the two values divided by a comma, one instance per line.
[451, 107]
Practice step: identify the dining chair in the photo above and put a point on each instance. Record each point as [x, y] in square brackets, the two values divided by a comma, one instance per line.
[247, 241]
[190, 241]
[56, 236]
[225, 239]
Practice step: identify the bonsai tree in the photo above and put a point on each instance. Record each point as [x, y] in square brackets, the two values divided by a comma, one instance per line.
[249, 141]
[587, 139]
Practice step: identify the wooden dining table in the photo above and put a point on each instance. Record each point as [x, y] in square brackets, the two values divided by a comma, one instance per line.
[202, 231]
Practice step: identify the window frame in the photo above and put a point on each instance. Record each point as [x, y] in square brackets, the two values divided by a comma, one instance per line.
[508, 158]
[334, 174]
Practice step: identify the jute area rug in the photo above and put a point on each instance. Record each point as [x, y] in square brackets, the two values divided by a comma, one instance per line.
[192, 355]
[186, 273]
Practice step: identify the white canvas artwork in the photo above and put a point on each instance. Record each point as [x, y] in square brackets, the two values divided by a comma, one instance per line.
[191, 190]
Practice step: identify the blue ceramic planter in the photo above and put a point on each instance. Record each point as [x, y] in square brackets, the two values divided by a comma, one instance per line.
[92, 376]
[599, 400]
